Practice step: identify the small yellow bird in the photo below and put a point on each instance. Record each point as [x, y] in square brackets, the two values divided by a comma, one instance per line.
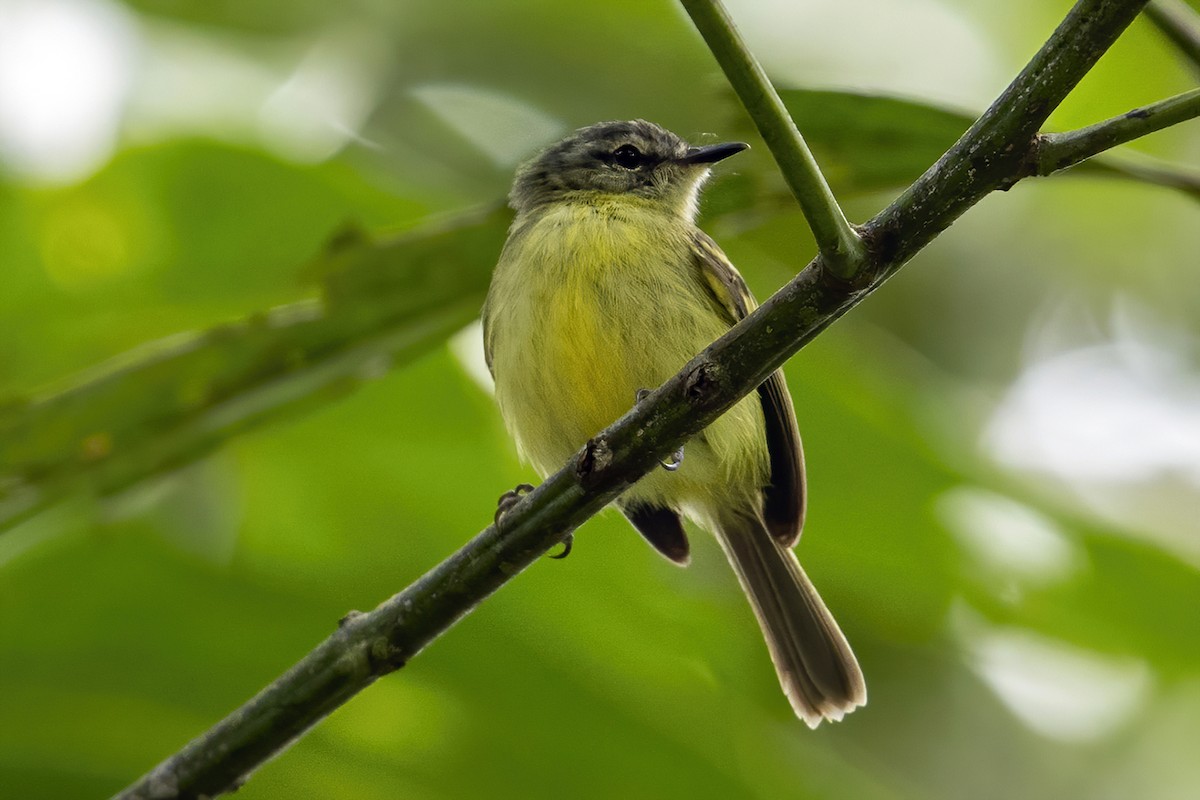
[606, 288]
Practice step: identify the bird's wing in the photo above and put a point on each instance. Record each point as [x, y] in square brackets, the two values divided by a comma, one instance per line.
[661, 527]
[784, 498]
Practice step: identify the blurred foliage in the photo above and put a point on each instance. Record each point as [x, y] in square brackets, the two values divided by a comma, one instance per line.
[166, 579]
[172, 403]
[872, 142]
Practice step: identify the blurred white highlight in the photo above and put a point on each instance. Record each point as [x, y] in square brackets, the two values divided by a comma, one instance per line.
[1122, 410]
[1008, 538]
[192, 83]
[304, 101]
[1116, 419]
[327, 99]
[898, 48]
[504, 128]
[65, 71]
[467, 348]
[1058, 691]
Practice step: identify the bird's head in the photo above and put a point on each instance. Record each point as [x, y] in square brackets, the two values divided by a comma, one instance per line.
[635, 158]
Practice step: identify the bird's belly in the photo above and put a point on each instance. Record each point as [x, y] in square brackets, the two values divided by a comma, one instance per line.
[587, 356]
[591, 335]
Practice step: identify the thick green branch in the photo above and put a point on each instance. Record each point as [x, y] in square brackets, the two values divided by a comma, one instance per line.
[839, 244]
[368, 646]
[1057, 151]
[1179, 23]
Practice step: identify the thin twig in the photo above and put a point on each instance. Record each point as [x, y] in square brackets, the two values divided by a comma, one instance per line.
[368, 646]
[1057, 151]
[837, 241]
[1179, 23]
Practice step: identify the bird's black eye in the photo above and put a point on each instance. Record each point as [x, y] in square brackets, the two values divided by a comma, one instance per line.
[628, 156]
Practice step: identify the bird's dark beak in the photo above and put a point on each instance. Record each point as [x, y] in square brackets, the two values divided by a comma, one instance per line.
[712, 153]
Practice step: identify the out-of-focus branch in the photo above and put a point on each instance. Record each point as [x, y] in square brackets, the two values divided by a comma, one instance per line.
[171, 402]
[1179, 23]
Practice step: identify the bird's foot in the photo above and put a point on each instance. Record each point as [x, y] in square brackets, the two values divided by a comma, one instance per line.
[677, 457]
[510, 499]
[567, 544]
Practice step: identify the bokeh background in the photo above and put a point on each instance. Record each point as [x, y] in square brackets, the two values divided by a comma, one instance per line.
[1003, 442]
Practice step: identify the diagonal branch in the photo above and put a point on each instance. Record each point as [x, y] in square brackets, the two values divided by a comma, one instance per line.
[1057, 151]
[367, 646]
[838, 242]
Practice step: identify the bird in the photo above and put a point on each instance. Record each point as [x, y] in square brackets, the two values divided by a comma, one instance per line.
[605, 287]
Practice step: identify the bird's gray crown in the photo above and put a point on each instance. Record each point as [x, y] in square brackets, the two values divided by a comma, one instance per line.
[610, 158]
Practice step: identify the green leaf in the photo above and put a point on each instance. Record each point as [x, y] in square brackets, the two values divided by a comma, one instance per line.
[869, 142]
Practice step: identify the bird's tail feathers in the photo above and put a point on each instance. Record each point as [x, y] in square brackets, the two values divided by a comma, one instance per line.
[816, 667]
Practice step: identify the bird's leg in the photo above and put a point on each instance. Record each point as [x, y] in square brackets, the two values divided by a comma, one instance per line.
[676, 457]
[510, 499]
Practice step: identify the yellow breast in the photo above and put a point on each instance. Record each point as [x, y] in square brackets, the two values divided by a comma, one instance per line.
[590, 303]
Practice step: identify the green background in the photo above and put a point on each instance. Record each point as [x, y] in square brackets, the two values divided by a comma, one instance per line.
[1029, 624]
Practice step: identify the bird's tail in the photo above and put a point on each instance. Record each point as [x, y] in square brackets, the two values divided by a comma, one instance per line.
[816, 667]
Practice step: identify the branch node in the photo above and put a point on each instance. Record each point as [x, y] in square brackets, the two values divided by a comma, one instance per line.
[385, 657]
[883, 243]
[350, 617]
[593, 459]
[1027, 165]
[701, 382]
[867, 274]
[1031, 164]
